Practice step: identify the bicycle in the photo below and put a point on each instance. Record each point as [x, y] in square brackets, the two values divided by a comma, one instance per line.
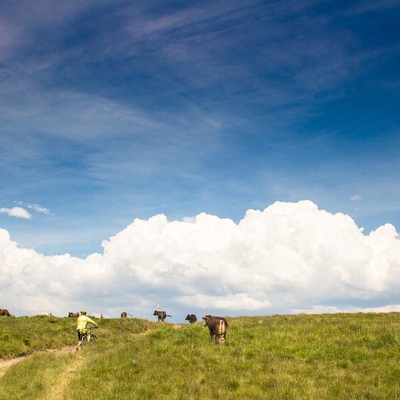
[88, 335]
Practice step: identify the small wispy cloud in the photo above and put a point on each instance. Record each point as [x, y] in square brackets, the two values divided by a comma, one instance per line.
[17, 212]
[355, 197]
[39, 209]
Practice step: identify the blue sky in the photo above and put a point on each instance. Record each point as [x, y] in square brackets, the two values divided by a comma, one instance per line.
[115, 110]
[114, 114]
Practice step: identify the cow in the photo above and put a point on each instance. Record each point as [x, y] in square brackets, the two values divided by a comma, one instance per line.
[218, 326]
[4, 312]
[125, 315]
[191, 318]
[44, 314]
[73, 314]
[161, 315]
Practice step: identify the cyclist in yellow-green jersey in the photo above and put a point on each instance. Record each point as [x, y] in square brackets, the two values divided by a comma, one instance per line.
[81, 324]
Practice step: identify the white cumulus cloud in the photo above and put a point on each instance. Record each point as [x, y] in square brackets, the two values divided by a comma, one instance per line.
[290, 257]
[17, 212]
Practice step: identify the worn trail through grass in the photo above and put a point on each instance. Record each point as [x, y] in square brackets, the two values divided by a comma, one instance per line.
[6, 364]
[58, 390]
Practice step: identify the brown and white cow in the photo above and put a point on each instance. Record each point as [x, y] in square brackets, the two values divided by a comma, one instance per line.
[73, 314]
[218, 326]
[161, 315]
[4, 312]
[191, 318]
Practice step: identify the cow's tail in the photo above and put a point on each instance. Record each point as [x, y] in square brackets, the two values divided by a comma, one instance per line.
[168, 316]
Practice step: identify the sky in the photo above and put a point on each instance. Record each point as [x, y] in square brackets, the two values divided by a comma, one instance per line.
[212, 157]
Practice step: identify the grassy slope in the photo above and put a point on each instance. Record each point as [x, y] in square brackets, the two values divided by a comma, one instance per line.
[340, 356]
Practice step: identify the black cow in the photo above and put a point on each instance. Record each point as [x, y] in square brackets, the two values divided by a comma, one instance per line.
[161, 315]
[191, 318]
[218, 326]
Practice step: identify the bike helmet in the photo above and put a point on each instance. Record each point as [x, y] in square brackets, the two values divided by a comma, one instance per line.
[83, 312]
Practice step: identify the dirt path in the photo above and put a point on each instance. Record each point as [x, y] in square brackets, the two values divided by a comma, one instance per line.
[5, 364]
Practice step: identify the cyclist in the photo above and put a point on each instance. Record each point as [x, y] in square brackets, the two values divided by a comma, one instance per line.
[81, 324]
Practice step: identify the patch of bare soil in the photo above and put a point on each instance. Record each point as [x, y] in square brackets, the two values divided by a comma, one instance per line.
[5, 364]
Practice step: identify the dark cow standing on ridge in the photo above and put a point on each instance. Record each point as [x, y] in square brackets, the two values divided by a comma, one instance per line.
[218, 326]
[73, 314]
[125, 314]
[191, 318]
[161, 315]
[4, 312]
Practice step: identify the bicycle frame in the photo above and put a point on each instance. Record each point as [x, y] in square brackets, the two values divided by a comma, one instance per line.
[89, 336]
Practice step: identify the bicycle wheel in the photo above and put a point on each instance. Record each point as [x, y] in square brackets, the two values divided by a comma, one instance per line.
[84, 340]
[93, 337]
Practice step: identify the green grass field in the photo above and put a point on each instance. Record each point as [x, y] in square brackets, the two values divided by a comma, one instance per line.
[332, 356]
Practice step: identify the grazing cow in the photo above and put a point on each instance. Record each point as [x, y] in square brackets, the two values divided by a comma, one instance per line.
[161, 315]
[217, 326]
[4, 312]
[73, 314]
[125, 315]
[191, 318]
[45, 314]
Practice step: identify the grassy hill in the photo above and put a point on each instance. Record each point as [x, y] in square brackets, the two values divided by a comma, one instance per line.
[338, 356]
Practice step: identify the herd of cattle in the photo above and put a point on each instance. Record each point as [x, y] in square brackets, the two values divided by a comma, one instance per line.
[218, 326]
